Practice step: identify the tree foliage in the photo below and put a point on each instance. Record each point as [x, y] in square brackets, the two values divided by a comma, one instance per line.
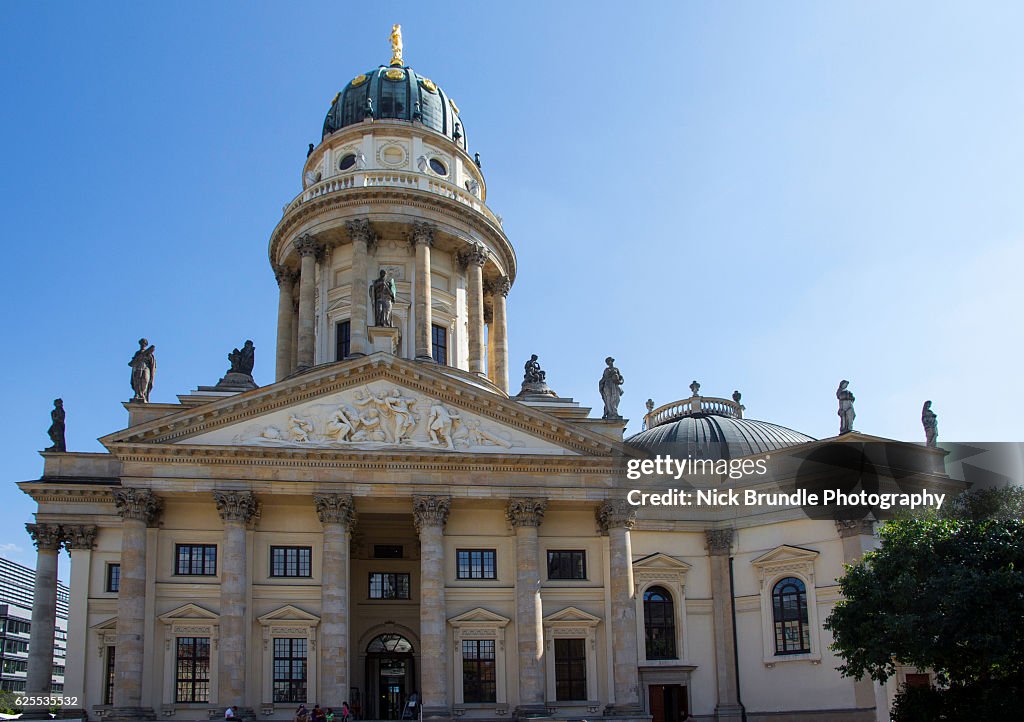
[944, 592]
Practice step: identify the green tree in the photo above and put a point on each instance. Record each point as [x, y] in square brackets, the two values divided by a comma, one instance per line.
[945, 592]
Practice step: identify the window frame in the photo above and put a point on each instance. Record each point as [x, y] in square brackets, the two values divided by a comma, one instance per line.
[483, 689]
[483, 566]
[578, 663]
[112, 580]
[193, 680]
[668, 630]
[439, 349]
[203, 560]
[396, 586]
[572, 552]
[772, 567]
[342, 339]
[782, 616]
[295, 693]
[298, 562]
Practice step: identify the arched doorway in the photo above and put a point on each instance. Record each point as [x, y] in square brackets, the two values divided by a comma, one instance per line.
[390, 676]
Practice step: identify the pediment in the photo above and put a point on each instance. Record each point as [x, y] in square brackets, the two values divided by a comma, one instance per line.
[189, 613]
[288, 613]
[108, 625]
[379, 402]
[661, 562]
[572, 615]
[785, 554]
[479, 616]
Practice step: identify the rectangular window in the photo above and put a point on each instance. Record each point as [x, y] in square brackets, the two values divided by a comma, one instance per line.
[113, 577]
[289, 670]
[476, 564]
[478, 671]
[196, 560]
[570, 564]
[343, 340]
[387, 551]
[389, 585]
[108, 680]
[291, 561]
[570, 669]
[193, 669]
[439, 344]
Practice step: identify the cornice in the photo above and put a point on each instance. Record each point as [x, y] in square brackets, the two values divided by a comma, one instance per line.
[359, 198]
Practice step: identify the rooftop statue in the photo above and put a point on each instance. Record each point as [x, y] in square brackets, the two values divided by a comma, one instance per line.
[533, 372]
[396, 45]
[846, 412]
[383, 294]
[143, 365]
[695, 387]
[56, 430]
[610, 387]
[242, 361]
[930, 421]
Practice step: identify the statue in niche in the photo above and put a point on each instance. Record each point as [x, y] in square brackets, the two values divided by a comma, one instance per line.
[610, 387]
[143, 365]
[533, 372]
[56, 430]
[383, 294]
[930, 421]
[242, 360]
[846, 412]
[440, 423]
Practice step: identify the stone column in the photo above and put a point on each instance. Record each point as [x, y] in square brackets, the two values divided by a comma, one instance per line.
[422, 240]
[526, 515]
[237, 509]
[362, 235]
[47, 538]
[489, 328]
[138, 509]
[615, 518]
[430, 514]
[473, 259]
[857, 538]
[337, 515]
[719, 545]
[285, 287]
[308, 248]
[79, 540]
[499, 328]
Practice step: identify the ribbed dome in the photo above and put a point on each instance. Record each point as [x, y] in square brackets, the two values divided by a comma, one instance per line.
[396, 93]
[711, 436]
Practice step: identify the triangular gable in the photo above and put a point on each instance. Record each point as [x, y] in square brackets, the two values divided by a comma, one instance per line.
[661, 562]
[479, 616]
[572, 615]
[288, 613]
[356, 406]
[109, 625]
[188, 613]
[785, 554]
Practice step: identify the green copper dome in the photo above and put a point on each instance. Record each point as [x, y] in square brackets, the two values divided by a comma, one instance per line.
[395, 93]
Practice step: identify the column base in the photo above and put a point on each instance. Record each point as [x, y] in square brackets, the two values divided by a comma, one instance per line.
[729, 713]
[429, 359]
[132, 714]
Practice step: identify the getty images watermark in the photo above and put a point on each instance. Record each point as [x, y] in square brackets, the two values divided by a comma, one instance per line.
[702, 471]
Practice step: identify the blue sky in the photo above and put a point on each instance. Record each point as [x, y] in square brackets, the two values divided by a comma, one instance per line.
[762, 196]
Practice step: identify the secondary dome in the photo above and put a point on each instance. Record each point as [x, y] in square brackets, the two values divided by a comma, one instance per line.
[710, 428]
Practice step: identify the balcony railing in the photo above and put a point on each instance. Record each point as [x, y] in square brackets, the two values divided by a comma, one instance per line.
[392, 179]
[693, 406]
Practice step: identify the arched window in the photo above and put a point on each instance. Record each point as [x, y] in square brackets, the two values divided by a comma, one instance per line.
[659, 624]
[789, 611]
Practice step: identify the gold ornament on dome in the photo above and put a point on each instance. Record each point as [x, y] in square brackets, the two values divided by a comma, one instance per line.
[395, 74]
[359, 80]
[396, 46]
[454, 106]
[428, 84]
[335, 98]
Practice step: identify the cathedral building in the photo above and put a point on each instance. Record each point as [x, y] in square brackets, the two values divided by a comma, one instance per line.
[397, 523]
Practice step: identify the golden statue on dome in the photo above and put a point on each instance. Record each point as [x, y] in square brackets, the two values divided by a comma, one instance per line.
[396, 45]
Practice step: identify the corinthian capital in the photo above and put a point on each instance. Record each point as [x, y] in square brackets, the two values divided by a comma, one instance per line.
[526, 512]
[307, 245]
[473, 255]
[45, 536]
[79, 536]
[421, 234]
[237, 505]
[854, 527]
[500, 285]
[430, 510]
[335, 509]
[139, 504]
[614, 513]
[284, 275]
[719, 541]
[360, 229]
